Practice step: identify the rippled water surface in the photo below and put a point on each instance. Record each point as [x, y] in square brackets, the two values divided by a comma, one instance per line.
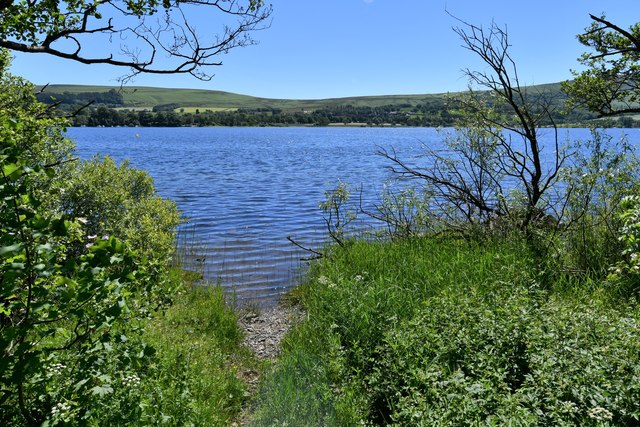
[246, 189]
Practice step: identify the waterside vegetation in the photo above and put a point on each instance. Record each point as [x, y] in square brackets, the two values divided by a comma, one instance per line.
[98, 324]
[503, 291]
[441, 331]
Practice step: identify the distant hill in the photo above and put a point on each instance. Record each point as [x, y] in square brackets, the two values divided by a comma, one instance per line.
[149, 97]
[153, 106]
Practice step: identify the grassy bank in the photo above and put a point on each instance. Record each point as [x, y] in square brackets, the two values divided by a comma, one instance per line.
[451, 332]
[200, 356]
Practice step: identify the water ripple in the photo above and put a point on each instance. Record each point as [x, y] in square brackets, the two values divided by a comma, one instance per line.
[245, 190]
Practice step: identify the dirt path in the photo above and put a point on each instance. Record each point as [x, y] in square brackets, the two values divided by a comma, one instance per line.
[264, 331]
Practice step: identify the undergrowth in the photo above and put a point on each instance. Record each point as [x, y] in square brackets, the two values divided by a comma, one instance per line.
[441, 331]
[200, 355]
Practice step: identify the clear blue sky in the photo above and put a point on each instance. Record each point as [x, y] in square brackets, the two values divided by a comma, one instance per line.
[336, 48]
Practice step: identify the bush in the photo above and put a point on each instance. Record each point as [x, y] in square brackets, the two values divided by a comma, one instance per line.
[68, 325]
[601, 173]
[73, 306]
[436, 331]
[509, 358]
[121, 201]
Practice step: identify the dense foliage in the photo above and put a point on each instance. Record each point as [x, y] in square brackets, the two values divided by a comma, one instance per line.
[420, 115]
[120, 200]
[428, 114]
[443, 332]
[85, 256]
[69, 318]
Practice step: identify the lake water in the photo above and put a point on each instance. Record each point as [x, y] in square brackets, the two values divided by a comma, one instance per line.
[245, 190]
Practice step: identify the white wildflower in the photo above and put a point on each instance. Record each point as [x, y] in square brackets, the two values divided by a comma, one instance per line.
[600, 414]
[569, 407]
[323, 280]
[61, 411]
[131, 380]
[57, 368]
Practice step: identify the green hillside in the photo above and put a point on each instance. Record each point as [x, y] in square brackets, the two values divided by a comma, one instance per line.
[129, 106]
[140, 96]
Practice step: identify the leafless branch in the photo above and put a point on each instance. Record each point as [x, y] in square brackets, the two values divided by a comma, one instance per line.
[317, 254]
[499, 149]
[143, 35]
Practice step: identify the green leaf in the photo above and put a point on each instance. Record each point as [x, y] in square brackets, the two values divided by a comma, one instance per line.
[80, 383]
[102, 390]
[9, 169]
[10, 249]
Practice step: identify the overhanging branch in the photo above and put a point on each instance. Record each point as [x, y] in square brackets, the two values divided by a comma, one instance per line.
[143, 29]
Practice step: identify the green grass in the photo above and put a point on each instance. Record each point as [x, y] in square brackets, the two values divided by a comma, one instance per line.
[198, 344]
[438, 331]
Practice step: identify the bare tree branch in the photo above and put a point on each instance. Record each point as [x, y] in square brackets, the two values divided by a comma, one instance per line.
[498, 149]
[144, 28]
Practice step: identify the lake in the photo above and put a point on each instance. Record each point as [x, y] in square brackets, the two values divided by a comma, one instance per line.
[245, 190]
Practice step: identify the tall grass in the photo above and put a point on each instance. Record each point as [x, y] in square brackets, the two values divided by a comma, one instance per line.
[442, 331]
[198, 342]
[191, 250]
[199, 347]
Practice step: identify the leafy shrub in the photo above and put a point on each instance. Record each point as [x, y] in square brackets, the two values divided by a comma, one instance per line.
[355, 295]
[26, 123]
[404, 213]
[60, 311]
[601, 173]
[450, 332]
[624, 277]
[509, 358]
[121, 201]
[73, 307]
[337, 214]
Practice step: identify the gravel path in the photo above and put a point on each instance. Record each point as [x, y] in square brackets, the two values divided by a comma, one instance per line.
[264, 331]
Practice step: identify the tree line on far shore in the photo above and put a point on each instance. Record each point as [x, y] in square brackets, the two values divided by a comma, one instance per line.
[420, 115]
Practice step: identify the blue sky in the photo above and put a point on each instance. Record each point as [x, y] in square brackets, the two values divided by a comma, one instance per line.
[336, 48]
